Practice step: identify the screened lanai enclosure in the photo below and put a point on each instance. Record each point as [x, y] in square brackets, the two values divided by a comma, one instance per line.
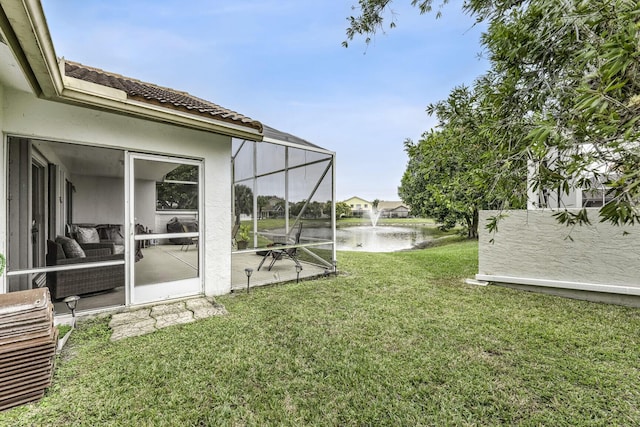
[283, 210]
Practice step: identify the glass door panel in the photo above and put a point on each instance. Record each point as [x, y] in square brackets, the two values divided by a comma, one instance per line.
[66, 216]
[165, 255]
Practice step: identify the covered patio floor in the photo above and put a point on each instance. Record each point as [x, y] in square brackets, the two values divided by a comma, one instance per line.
[283, 270]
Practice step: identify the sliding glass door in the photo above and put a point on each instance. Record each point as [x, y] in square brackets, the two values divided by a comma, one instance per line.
[110, 226]
[65, 217]
[164, 227]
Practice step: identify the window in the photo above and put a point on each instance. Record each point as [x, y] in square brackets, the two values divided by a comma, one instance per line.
[596, 198]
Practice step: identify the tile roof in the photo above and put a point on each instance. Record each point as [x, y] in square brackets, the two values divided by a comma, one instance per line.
[158, 95]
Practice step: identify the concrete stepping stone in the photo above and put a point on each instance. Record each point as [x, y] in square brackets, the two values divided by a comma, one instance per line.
[129, 317]
[147, 320]
[174, 319]
[203, 308]
[141, 327]
[162, 309]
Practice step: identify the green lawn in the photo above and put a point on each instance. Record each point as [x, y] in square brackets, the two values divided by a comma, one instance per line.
[397, 339]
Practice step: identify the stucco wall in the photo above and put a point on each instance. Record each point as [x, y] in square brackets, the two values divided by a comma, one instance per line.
[98, 200]
[25, 115]
[531, 247]
[146, 204]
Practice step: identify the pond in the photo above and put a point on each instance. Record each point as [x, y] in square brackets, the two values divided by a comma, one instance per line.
[382, 238]
[378, 239]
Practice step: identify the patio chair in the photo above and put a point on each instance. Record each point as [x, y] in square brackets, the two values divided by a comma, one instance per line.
[278, 254]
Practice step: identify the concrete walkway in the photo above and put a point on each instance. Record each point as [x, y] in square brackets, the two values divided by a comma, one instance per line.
[141, 321]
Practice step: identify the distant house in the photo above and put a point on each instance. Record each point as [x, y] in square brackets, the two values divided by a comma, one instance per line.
[359, 207]
[274, 208]
[393, 209]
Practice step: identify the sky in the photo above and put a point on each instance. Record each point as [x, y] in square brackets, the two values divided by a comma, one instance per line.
[282, 62]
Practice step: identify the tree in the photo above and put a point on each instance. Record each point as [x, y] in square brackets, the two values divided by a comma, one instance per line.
[263, 202]
[342, 209]
[563, 90]
[306, 210]
[243, 201]
[179, 194]
[451, 173]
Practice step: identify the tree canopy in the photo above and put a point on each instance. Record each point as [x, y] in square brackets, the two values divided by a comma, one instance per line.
[243, 201]
[453, 171]
[561, 100]
[342, 209]
[182, 193]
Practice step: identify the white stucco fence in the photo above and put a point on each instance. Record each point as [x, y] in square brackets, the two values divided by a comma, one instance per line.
[532, 248]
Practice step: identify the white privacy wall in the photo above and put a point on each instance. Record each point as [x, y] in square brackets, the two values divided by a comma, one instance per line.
[532, 248]
[25, 115]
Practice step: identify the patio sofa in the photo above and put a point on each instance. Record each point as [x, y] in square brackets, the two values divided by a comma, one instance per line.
[98, 233]
[62, 284]
[106, 233]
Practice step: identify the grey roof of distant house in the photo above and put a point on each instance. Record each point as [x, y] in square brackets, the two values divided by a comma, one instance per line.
[390, 205]
[158, 95]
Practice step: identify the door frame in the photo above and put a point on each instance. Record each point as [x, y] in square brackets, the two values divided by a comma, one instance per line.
[164, 290]
[38, 208]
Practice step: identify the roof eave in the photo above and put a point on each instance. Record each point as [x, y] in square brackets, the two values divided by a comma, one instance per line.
[122, 105]
[25, 28]
[27, 34]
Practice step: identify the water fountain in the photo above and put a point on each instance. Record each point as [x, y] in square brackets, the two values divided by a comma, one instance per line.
[374, 216]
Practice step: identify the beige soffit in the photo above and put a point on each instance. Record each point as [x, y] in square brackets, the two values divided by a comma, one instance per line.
[27, 34]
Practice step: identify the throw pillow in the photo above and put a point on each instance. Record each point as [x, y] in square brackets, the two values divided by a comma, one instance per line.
[87, 235]
[70, 247]
[114, 234]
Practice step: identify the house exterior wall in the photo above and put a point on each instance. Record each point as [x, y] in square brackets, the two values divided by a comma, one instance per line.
[358, 205]
[146, 203]
[532, 248]
[394, 211]
[99, 207]
[401, 212]
[25, 115]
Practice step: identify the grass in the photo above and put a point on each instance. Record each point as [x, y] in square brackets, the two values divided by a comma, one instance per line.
[398, 339]
[63, 329]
